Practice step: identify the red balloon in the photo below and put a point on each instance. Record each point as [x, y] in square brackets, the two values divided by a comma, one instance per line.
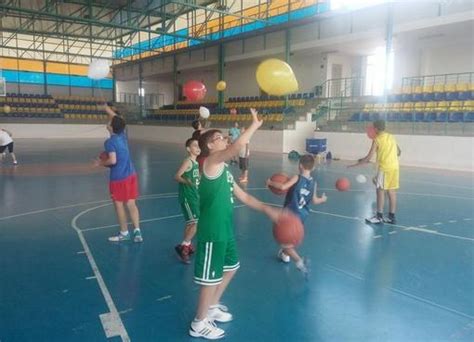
[371, 133]
[194, 90]
[288, 230]
[343, 184]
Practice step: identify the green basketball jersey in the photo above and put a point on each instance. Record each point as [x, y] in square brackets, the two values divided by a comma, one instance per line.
[216, 207]
[187, 191]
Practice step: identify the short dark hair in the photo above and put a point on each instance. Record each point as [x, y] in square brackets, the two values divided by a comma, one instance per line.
[190, 141]
[196, 124]
[118, 124]
[205, 138]
[307, 161]
[379, 125]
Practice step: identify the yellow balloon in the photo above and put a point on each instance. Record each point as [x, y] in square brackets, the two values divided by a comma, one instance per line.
[7, 109]
[276, 77]
[221, 85]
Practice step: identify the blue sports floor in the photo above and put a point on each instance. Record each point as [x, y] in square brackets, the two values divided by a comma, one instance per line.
[60, 277]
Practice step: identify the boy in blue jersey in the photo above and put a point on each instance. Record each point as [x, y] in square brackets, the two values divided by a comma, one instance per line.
[123, 183]
[301, 192]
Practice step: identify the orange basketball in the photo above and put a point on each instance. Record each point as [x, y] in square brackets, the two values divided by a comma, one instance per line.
[288, 230]
[278, 178]
[343, 184]
[103, 156]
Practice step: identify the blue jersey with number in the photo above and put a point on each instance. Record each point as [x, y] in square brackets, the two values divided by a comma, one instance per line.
[299, 196]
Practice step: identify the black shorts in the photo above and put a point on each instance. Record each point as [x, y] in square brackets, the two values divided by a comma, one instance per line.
[243, 163]
[9, 146]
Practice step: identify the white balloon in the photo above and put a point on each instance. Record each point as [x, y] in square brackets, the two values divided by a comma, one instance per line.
[204, 112]
[361, 179]
[98, 69]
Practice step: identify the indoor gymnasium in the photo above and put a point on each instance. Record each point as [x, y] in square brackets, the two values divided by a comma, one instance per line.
[245, 170]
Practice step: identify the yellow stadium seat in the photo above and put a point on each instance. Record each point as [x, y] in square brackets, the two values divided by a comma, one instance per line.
[442, 106]
[438, 88]
[419, 106]
[368, 107]
[407, 89]
[455, 106]
[418, 90]
[430, 106]
[407, 107]
[462, 87]
[449, 88]
[427, 89]
[468, 105]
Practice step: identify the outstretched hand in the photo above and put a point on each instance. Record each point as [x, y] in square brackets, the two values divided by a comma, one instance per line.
[255, 120]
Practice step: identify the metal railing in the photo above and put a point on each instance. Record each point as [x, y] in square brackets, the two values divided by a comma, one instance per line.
[428, 80]
[342, 87]
[149, 101]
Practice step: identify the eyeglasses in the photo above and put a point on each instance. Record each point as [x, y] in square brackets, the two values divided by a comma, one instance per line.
[219, 137]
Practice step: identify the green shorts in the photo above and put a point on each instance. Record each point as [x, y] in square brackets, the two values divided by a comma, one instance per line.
[213, 259]
[190, 211]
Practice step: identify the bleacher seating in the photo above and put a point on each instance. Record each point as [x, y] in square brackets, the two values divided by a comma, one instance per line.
[432, 103]
[49, 107]
[235, 109]
[30, 106]
[81, 108]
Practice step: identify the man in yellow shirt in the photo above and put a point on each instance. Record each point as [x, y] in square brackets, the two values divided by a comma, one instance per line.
[386, 180]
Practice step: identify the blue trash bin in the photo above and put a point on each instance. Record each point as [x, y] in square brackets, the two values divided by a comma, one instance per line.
[315, 146]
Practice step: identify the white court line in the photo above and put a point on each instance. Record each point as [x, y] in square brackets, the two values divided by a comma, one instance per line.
[426, 301]
[114, 316]
[453, 221]
[403, 193]
[437, 224]
[175, 193]
[82, 204]
[400, 226]
[377, 236]
[145, 221]
[422, 226]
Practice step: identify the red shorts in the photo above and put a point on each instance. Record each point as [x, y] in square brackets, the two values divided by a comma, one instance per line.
[124, 189]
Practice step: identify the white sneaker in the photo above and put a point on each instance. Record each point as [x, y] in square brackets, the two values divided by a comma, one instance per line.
[283, 257]
[206, 329]
[215, 313]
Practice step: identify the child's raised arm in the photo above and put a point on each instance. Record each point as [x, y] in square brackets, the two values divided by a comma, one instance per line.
[233, 150]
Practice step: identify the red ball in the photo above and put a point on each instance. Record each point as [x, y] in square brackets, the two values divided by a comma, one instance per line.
[343, 184]
[288, 230]
[103, 156]
[194, 90]
[278, 178]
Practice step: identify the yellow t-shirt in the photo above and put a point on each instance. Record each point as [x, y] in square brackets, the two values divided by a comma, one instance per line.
[387, 152]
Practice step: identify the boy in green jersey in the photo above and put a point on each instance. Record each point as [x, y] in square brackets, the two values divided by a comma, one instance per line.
[188, 178]
[216, 252]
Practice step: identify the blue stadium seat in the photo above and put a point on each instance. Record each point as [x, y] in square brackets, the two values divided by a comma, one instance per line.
[442, 117]
[392, 117]
[456, 117]
[355, 117]
[407, 117]
[419, 116]
[365, 117]
[430, 117]
[469, 117]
